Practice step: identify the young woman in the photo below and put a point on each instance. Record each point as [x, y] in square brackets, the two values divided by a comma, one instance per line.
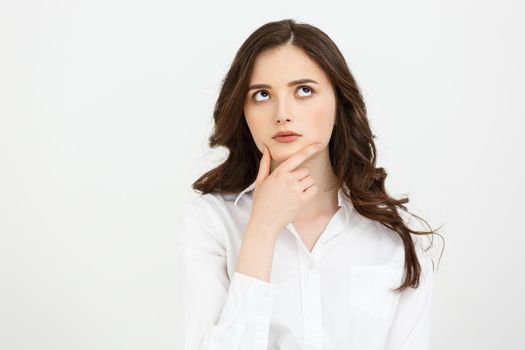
[294, 242]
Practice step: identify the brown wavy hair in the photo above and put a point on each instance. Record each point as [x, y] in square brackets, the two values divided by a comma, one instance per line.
[351, 147]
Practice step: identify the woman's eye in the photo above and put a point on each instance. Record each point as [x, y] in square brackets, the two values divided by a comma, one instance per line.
[305, 87]
[301, 88]
[262, 91]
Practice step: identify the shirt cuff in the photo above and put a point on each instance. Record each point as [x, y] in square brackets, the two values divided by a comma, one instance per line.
[250, 300]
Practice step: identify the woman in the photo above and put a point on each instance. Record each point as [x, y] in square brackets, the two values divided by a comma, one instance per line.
[294, 242]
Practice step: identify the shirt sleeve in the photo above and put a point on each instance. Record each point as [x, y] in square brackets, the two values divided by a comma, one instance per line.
[218, 314]
[411, 327]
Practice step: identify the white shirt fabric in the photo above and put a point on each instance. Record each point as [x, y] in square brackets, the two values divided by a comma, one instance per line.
[338, 296]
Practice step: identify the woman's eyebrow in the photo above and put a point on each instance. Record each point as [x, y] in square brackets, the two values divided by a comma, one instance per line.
[292, 83]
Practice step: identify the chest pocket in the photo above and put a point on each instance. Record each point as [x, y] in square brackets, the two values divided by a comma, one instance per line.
[371, 290]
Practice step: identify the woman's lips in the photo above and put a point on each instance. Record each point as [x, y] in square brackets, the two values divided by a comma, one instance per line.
[286, 138]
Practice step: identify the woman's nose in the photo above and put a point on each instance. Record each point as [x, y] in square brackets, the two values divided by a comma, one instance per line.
[284, 110]
[280, 120]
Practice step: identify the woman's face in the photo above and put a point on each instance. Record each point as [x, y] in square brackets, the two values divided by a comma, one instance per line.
[308, 108]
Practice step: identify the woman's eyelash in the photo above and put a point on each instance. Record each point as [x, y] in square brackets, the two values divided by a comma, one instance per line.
[299, 87]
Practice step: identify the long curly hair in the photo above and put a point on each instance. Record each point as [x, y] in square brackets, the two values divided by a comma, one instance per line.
[351, 146]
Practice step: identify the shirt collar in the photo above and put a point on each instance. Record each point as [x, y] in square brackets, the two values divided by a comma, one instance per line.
[251, 187]
[341, 199]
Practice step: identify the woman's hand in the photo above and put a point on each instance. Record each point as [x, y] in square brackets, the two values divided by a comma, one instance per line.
[278, 197]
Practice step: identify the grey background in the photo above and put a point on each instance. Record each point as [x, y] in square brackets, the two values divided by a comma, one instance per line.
[105, 109]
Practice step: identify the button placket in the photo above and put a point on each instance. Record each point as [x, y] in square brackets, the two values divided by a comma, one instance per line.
[312, 320]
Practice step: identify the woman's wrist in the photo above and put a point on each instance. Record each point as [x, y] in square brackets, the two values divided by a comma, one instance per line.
[261, 229]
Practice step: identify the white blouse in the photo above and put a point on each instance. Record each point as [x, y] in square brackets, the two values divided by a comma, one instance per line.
[338, 296]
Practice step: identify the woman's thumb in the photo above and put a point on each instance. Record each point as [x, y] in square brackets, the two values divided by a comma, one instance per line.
[264, 165]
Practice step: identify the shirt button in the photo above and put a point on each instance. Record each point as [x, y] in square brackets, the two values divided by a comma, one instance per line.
[267, 293]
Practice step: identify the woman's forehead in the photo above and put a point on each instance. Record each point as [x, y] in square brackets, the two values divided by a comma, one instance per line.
[279, 66]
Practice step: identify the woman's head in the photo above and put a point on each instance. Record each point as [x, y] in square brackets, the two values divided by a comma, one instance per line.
[288, 91]
[275, 54]
[334, 113]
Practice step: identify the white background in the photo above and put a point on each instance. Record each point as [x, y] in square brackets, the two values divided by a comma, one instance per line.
[105, 110]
